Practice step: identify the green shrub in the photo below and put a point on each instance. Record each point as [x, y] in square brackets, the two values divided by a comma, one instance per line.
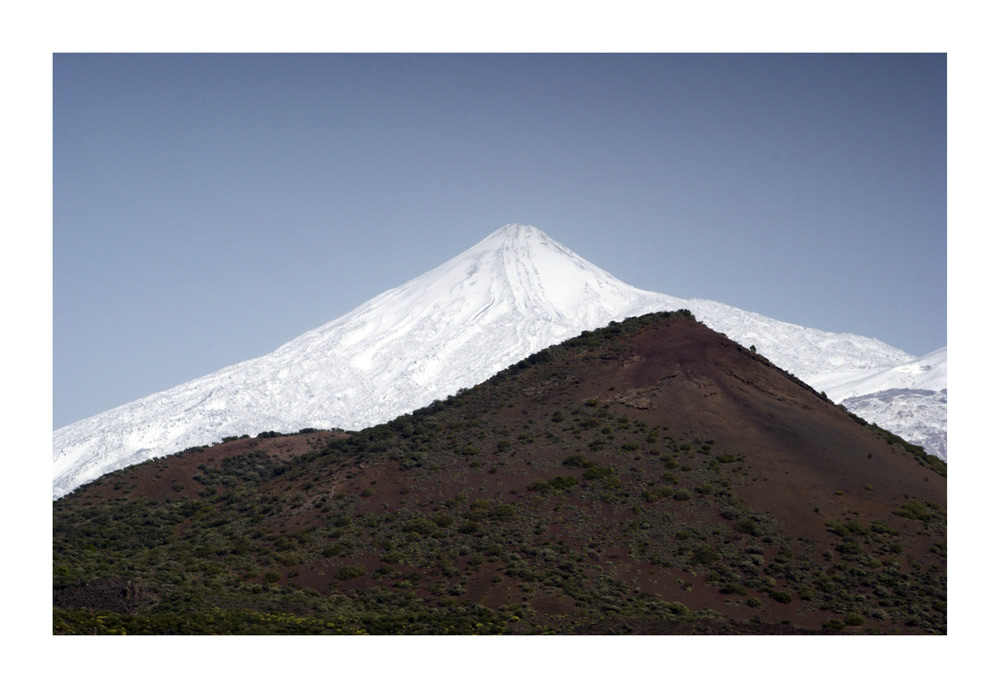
[781, 596]
[504, 512]
[838, 528]
[560, 482]
[656, 495]
[563, 482]
[918, 510]
[848, 548]
[351, 571]
[443, 520]
[883, 528]
[577, 461]
[422, 526]
[597, 472]
[705, 555]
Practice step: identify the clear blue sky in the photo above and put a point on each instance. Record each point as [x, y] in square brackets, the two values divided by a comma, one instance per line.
[209, 208]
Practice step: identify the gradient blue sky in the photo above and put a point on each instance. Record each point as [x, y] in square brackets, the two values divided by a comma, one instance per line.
[209, 208]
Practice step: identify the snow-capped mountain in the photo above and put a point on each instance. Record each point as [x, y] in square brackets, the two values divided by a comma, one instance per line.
[919, 416]
[910, 400]
[514, 293]
[928, 373]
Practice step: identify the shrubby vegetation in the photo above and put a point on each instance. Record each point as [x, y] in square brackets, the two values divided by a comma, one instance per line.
[545, 509]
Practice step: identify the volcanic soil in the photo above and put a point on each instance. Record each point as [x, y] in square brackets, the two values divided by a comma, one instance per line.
[650, 477]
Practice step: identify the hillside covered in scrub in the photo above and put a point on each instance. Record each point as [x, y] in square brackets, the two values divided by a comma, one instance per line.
[650, 477]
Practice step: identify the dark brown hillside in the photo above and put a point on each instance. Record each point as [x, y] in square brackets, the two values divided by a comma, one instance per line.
[803, 445]
[651, 477]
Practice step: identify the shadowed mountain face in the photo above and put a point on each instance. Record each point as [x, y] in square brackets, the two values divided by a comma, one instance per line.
[650, 477]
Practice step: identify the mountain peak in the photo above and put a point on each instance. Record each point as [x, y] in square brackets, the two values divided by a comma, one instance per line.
[512, 294]
[512, 229]
[522, 271]
[514, 236]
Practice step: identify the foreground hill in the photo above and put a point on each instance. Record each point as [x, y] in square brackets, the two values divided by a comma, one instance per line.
[650, 477]
[517, 289]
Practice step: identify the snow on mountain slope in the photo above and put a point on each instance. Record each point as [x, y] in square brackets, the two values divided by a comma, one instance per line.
[919, 416]
[512, 294]
[909, 399]
[816, 357]
[928, 372]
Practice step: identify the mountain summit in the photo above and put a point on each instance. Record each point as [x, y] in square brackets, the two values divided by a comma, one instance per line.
[514, 293]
